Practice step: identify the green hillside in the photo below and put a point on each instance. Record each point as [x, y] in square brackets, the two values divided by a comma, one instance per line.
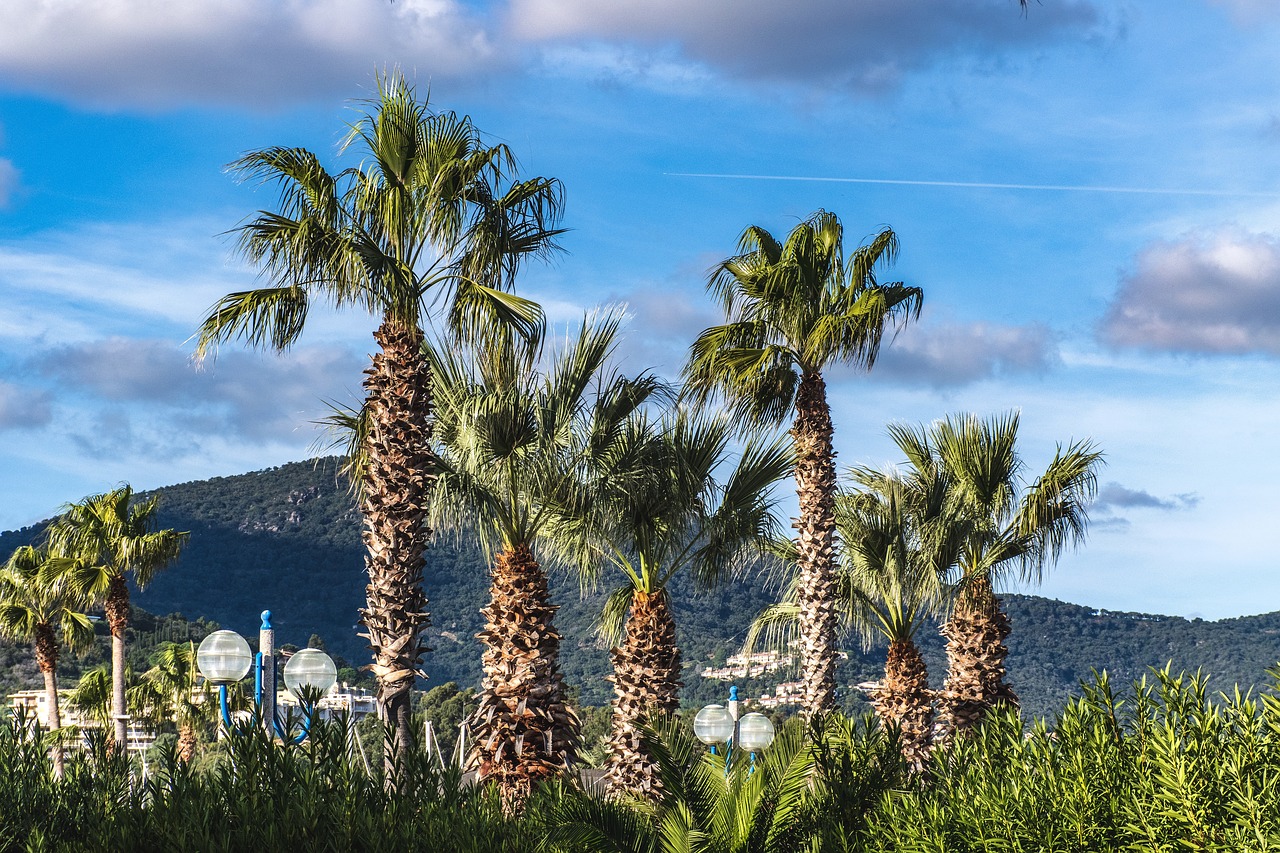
[288, 539]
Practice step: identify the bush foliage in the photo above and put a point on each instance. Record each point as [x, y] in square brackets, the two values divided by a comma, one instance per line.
[1163, 766]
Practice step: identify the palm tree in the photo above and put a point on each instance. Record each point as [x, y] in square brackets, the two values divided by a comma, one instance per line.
[511, 439]
[1012, 527]
[794, 308]
[43, 611]
[432, 215]
[111, 539]
[656, 509]
[896, 531]
[172, 693]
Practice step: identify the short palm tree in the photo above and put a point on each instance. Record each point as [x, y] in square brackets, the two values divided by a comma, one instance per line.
[174, 692]
[795, 308]
[111, 540]
[1011, 527]
[657, 508]
[511, 438]
[431, 220]
[36, 607]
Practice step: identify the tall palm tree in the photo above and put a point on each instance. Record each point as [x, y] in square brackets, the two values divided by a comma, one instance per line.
[1013, 527]
[896, 531]
[111, 539]
[512, 437]
[431, 220]
[656, 509]
[36, 608]
[794, 309]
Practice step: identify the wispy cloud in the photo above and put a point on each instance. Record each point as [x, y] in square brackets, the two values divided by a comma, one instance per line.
[255, 396]
[8, 181]
[23, 408]
[941, 354]
[1207, 292]
[1115, 496]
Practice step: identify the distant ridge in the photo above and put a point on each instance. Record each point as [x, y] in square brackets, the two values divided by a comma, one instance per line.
[288, 539]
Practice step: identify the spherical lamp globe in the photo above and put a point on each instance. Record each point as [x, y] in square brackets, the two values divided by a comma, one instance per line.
[713, 725]
[755, 732]
[224, 657]
[310, 668]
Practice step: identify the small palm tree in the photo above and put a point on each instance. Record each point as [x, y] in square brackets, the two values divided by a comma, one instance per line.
[176, 693]
[430, 221]
[896, 533]
[36, 607]
[656, 508]
[795, 308]
[511, 438]
[111, 540]
[1011, 527]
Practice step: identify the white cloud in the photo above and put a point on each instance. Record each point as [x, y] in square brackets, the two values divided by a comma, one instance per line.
[262, 52]
[158, 53]
[1209, 293]
[867, 45]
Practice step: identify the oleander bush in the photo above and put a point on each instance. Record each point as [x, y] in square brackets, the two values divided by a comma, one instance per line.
[1162, 766]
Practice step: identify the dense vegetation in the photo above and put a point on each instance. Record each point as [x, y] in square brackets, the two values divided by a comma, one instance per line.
[288, 539]
[1158, 767]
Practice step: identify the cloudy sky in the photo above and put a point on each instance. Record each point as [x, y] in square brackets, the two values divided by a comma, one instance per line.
[1088, 193]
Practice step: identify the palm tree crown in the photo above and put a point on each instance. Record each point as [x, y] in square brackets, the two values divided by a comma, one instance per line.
[1009, 526]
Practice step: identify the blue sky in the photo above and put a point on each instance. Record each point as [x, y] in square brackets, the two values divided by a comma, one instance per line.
[1147, 319]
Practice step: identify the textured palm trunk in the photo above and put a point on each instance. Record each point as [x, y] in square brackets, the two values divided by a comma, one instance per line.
[47, 660]
[186, 742]
[905, 700]
[116, 609]
[976, 653]
[646, 684]
[524, 731]
[815, 545]
[394, 493]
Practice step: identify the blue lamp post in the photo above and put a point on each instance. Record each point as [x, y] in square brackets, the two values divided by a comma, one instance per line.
[224, 658]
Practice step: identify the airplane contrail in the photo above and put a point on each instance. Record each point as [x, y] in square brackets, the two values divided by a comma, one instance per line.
[980, 185]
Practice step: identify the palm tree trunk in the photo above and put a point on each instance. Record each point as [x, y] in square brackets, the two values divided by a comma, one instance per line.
[524, 731]
[116, 609]
[904, 700]
[976, 653]
[815, 544]
[646, 683]
[186, 742]
[394, 493]
[47, 660]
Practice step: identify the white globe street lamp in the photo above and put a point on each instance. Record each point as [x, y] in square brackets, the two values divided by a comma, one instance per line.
[755, 732]
[713, 725]
[224, 658]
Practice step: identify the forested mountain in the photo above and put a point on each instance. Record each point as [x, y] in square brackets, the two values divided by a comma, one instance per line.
[288, 539]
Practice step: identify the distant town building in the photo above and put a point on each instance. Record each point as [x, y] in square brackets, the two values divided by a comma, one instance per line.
[747, 666]
[36, 702]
